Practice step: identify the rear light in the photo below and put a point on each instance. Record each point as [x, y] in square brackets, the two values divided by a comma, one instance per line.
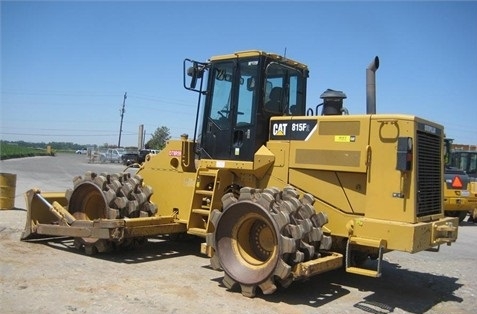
[404, 154]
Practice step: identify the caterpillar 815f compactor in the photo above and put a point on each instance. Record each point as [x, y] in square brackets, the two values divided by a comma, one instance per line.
[279, 192]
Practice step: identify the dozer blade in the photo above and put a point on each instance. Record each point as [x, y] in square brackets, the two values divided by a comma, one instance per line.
[45, 208]
[102, 212]
[48, 216]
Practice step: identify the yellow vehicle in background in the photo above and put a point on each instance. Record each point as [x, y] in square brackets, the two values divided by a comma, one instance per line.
[464, 158]
[458, 200]
[278, 195]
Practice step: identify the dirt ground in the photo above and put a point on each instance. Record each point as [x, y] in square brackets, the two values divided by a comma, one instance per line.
[173, 277]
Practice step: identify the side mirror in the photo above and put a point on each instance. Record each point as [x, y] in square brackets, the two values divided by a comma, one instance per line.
[196, 72]
[192, 72]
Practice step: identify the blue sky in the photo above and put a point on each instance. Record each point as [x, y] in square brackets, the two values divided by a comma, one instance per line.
[65, 66]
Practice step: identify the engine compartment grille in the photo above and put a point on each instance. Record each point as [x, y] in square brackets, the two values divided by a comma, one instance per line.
[429, 176]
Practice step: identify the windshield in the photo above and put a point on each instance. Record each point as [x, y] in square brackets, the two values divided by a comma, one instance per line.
[466, 161]
[225, 100]
[222, 88]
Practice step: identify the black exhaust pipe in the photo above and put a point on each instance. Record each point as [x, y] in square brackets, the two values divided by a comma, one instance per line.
[371, 86]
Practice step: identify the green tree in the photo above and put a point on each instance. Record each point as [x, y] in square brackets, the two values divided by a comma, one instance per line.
[159, 138]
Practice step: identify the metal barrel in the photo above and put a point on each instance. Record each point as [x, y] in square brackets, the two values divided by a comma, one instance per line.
[8, 182]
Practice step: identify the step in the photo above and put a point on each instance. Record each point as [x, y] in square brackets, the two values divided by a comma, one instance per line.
[356, 241]
[204, 192]
[208, 172]
[364, 272]
[197, 232]
[203, 212]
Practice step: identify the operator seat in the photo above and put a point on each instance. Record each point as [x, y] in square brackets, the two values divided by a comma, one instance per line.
[274, 104]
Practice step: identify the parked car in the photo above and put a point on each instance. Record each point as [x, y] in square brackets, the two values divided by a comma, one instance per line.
[144, 152]
[82, 151]
[130, 158]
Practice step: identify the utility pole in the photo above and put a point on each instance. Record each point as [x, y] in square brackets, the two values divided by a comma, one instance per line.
[122, 116]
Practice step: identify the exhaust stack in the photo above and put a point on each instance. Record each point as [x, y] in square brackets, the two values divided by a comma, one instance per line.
[371, 86]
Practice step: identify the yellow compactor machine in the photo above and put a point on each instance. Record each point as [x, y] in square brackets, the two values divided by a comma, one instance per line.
[278, 191]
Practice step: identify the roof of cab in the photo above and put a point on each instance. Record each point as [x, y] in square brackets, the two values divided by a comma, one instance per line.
[252, 53]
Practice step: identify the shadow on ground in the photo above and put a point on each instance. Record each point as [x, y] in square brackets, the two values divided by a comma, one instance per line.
[398, 288]
[154, 249]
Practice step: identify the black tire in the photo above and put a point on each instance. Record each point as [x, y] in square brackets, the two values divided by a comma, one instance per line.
[461, 214]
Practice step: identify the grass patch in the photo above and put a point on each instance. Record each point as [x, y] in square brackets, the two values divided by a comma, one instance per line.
[10, 151]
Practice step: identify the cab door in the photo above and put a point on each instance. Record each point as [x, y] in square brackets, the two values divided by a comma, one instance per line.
[229, 131]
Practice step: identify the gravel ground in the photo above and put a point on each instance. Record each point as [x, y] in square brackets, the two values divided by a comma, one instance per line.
[173, 277]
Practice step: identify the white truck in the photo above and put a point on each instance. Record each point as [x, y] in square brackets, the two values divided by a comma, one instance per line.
[111, 155]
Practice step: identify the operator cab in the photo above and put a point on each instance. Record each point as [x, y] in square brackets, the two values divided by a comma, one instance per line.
[243, 90]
